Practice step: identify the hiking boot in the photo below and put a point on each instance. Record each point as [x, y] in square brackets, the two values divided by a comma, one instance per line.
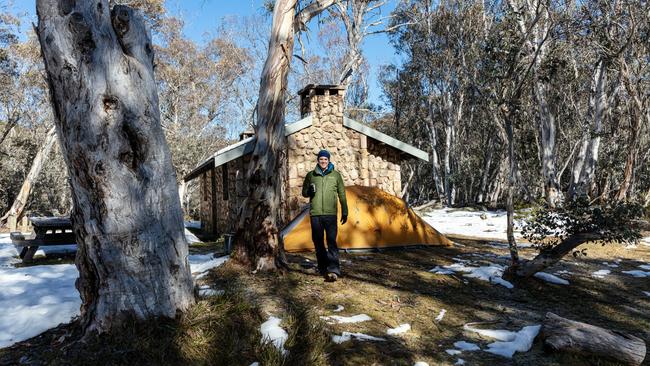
[331, 277]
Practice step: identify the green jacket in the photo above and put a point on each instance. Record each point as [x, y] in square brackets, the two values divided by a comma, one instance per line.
[329, 185]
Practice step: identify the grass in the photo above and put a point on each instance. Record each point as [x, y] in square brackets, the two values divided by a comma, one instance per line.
[392, 287]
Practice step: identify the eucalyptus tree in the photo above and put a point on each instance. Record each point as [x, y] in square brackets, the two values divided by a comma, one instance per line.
[257, 235]
[132, 255]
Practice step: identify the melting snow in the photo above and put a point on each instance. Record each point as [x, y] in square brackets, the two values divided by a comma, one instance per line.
[205, 291]
[453, 352]
[441, 315]
[491, 273]
[467, 346]
[638, 273]
[421, 363]
[645, 266]
[36, 298]
[460, 361]
[493, 225]
[346, 336]
[402, 328]
[611, 265]
[601, 273]
[647, 293]
[551, 278]
[338, 309]
[272, 332]
[200, 264]
[346, 319]
[508, 342]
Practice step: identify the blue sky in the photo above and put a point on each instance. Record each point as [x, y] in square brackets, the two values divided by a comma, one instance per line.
[204, 16]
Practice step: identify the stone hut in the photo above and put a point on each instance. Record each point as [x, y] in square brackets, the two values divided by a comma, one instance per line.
[363, 155]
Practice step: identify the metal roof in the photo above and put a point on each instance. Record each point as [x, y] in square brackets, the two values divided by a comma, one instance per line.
[382, 137]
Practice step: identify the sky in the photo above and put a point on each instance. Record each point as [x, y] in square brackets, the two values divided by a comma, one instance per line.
[204, 16]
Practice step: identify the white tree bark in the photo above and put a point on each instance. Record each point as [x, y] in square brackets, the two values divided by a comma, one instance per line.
[18, 207]
[435, 159]
[132, 255]
[257, 238]
[547, 128]
[587, 160]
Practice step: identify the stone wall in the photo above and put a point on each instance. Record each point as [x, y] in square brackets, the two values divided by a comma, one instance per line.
[359, 160]
[207, 202]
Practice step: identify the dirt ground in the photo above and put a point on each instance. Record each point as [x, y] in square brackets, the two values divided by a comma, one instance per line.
[396, 287]
[392, 287]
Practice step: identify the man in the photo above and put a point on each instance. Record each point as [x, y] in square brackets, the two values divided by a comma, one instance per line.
[323, 186]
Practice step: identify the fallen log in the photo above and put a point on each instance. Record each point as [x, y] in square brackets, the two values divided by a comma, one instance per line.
[561, 334]
[426, 205]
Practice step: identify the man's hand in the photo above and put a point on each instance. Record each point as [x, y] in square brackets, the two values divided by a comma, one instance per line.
[311, 191]
[344, 219]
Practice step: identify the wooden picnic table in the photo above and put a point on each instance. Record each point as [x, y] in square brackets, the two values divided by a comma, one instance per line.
[47, 231]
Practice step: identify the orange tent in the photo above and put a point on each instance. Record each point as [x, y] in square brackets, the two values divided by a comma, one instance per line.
[376, 219]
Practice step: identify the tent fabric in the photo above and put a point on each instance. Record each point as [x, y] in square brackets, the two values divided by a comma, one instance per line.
[376, 219]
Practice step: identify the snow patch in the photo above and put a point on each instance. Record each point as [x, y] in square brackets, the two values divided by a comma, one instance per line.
[346, 336]
[332, 319]
[272, 332]
[601, 273]
[611, 265]
[205, 291]
[193, 224]
[493, 225]
[191, 238]
[466, 346]
[200, 264]
[551, 278]
[441, 315]
[453, 352]
[402, 328]
[338, 309]
[645, 266]
[460, 361]
[508, 342]
[647, 293]
[491, 273]
[421, 363]
[35, 299]
[637, 273]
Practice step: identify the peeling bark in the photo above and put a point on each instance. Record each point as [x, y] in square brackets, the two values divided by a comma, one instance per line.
[257, 238]
[588, 158]
[132, 255]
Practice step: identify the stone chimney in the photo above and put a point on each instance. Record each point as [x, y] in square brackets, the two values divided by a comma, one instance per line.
[322, 102]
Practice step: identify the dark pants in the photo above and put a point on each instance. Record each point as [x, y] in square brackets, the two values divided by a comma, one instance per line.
[328, 259]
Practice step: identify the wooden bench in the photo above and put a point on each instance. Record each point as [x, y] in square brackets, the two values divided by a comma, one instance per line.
[47, 231]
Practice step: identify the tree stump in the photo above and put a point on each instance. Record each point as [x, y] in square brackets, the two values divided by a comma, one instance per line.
[560, 334]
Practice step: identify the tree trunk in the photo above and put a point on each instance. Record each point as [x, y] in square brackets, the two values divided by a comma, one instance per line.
[17, 208]
[565, 335]
[552, 192]
[551, 256]
[636, 117]
[486, 169]
[449, 140]
[257, 239]
[512, 244]
[597, 107]
[132, 255]
[435, 160]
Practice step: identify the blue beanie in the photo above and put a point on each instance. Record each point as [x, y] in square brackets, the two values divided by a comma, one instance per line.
[324, 153]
